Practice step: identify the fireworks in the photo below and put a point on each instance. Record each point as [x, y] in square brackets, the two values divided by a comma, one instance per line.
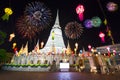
[26, 30]
[73, 30]
[38, 14]
[36, 17]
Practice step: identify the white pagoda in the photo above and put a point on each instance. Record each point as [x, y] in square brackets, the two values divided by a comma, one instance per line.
[55, 41]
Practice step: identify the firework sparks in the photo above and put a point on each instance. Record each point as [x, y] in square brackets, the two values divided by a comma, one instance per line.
[73, 30]
[38, 14]
[26, 30]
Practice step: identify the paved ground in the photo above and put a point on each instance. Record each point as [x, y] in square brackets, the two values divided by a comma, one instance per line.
[11, 75]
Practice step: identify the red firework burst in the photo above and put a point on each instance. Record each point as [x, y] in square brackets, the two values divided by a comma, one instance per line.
[73, 30]
[25, 29]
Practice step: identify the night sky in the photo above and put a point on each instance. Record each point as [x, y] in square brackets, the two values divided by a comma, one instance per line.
[67, 14]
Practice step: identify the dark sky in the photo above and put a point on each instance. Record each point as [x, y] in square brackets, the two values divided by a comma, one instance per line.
[67, 14]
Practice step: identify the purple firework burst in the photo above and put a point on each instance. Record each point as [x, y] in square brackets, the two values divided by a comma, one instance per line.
[73, 30]
[38, 14]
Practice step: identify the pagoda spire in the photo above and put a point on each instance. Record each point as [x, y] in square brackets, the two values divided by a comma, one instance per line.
[21, 50]
[25, 50]
[37, 47]
[56, 25]
[69, 51]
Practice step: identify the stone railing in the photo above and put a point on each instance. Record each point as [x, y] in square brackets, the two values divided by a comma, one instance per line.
[28, 68]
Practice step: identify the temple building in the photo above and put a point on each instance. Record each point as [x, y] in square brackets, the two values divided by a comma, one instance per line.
[54, 49]
[109, 48]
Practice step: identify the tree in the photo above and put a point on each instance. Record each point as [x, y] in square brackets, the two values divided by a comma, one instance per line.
[5, 57]
[2, 37]
[2, 56]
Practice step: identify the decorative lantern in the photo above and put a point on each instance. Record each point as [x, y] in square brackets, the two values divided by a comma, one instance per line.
[105, 22]
[8, 12]
[96, 22]
[111, 6]
[81, 51]
[114, 52]
[89, 47]
[88, 23]
[53, 35]
[42, 43]
[16, 51]
[11, 36]
[102, 35]
[109, 33]
[108, 48]
[14, 45]
[76, 45]
[79, 11]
